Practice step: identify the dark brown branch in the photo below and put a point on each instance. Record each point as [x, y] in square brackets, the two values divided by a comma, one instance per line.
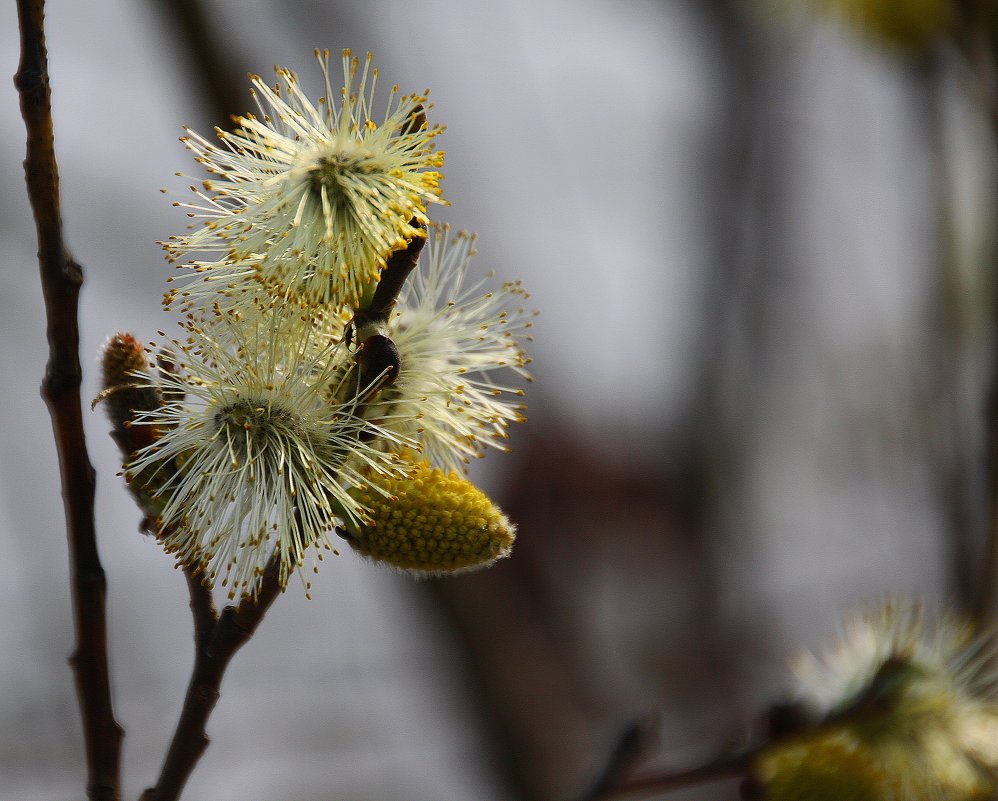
[61, 279]
[984, 612]
[202, 608]
[378, 359]
[216, 641]
[397, 269]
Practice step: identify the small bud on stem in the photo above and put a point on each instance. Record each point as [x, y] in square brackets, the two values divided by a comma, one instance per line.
[127, 390]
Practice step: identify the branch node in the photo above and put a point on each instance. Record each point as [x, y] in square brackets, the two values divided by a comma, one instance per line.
[29, 80]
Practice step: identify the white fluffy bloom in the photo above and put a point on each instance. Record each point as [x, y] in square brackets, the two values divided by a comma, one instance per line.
[319, 194]
[947, 652]
[251, 455]
[228, 290]
[457, 345]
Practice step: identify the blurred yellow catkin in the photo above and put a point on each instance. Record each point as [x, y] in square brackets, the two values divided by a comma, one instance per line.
[906, 712]
[907, 24]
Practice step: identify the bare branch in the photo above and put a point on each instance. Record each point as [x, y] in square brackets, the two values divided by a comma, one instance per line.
[61, 281]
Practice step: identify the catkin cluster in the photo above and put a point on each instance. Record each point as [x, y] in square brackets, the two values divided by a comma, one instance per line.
[335, 368]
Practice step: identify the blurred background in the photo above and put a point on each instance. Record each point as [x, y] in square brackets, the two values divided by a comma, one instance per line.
[761, 242]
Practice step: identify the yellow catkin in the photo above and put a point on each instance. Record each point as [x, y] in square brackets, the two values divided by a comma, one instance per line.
[908, 24]
[843, 764]
[430, 522]
[824, 767]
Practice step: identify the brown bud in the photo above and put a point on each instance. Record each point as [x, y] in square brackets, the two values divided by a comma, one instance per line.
[415, 122]
[126, 391]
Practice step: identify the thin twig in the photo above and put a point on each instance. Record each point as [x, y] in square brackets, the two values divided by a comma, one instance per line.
[61, 279]
[724, 767]
[947, 357]
[627, 749]
[216, 641]
[985, 601]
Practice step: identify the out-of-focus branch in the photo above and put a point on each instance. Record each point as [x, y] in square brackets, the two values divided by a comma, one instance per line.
[217, 638]
[945, 416]
[976, 36]
[725, 767]
[985, 602]
[626, 752]
[61, 281]
[207, 58]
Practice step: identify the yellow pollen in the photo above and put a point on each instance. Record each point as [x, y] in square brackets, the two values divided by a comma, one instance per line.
[430, 522]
